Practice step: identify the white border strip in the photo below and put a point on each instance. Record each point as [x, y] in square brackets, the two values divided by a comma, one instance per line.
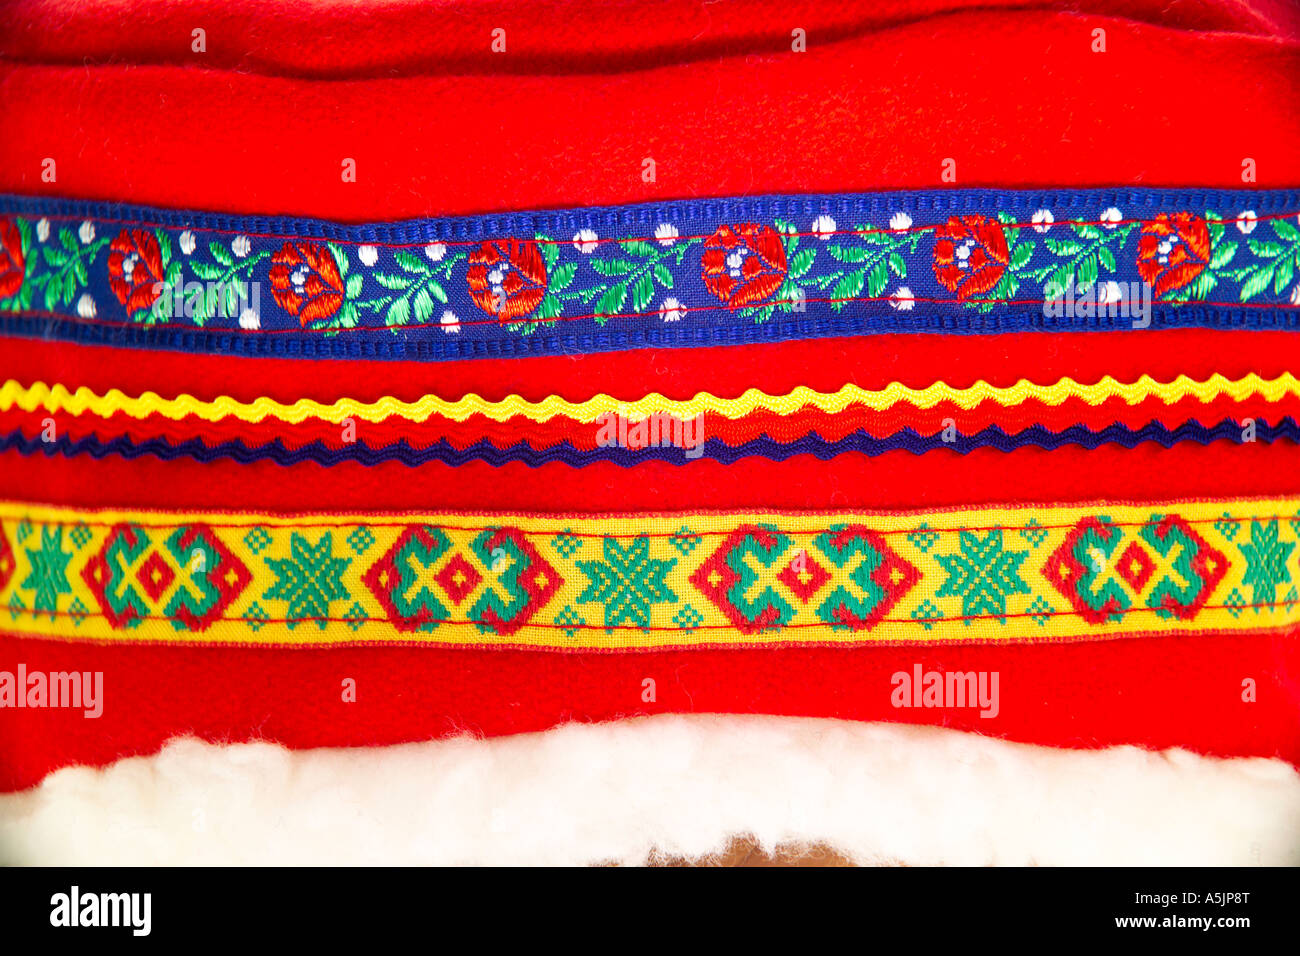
[681, 785]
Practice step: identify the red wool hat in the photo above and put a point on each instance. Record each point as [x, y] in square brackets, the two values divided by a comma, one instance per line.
[312, 318]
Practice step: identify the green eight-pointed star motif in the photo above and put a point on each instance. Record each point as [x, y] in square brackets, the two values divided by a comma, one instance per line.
[49, 574]
[1266, 558]
[982, 574]
[628, 582]
[309, 579]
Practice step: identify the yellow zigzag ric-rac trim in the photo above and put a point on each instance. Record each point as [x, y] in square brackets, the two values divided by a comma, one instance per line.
[1031, 573]
[58, 398]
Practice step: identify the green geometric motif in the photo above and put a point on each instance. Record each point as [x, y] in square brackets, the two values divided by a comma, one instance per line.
[1170, 594]
[1227, 526]
[627, 582]
[197, 553]
[361, 539]
[687, 618]
[566, 543]
[928, 614]
[1033, 532]
[407, 564]
[309, 579]
[1040, 611]
[684, 541]
[524, 576]
[840, 608]
[1266, 559]
[356, 616]
[256, 617]
[1096, 551]
[923, 538]
[78, 612]
[569, 620]
[1236, 603]
[49, 574]
[257, 539]
[982, 575]
[80, 535]
[731, 578]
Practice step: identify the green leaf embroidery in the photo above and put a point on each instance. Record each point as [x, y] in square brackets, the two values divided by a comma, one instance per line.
[221, 254]
[1285, 270]
[642, 292]
[340, 257]
[1063, 247]
[850, 254]
[613, 267]
[206, 271]
[1087, 273]
[398, 312]
[612, 301]
[1223, 254]
[801, 263]
[877, 278]
[411, 263]
[562, 276]
[1257, 282]
[550, 308]
[422, 303]
[849, 286]
[1265, 250]
[550, 251]
[639, 247]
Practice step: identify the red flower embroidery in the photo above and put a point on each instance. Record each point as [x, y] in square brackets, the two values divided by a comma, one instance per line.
[135, 270]
[305, 281]
[743, 264]
[970, 255]
[11, 258]
[1172, 251]
[507, 278]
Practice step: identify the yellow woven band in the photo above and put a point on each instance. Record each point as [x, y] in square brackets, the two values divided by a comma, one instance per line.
[1040, 573]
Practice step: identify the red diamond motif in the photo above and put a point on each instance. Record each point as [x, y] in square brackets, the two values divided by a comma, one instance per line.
[458, 578]
[1135, 567]
[803, 576]
[7, 562]
[155, 576]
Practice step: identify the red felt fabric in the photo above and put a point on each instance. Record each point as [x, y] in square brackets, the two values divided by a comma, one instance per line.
[561, 36]
[1155, 692]
[884, 93]
[1017, 98]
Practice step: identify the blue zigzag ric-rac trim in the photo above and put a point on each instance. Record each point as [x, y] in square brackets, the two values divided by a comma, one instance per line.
[1036, 436]
[672, 274]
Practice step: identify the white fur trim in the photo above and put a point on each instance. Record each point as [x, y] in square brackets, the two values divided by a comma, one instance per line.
[682, 785]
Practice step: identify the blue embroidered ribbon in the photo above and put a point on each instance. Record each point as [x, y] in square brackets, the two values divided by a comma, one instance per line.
[699, 272]
[1038, 436]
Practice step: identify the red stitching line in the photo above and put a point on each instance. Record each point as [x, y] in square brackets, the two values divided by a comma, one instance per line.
[72, 523]
[531, 320]
[288, 237]
[633, 627]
